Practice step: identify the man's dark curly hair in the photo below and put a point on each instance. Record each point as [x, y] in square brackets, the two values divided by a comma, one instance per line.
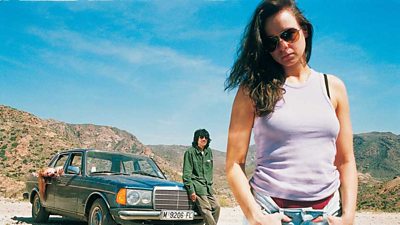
[202, 133]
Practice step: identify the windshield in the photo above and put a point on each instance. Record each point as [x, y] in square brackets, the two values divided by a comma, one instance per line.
[118, 163]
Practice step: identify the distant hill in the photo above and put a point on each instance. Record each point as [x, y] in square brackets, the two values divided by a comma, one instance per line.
[378, 154]
[378, 195]
[379, 184]
[27, 143]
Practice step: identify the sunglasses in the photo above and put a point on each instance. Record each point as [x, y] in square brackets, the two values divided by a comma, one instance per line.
[290, 35]
[201, 137]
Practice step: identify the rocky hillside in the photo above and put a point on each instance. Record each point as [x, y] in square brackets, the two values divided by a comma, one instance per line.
[27, 143]
[378, 154]
[378, 195]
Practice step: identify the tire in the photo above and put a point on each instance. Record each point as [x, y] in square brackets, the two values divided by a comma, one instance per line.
[197, 222]
[99, 214]
[189, 223]
[39, 213]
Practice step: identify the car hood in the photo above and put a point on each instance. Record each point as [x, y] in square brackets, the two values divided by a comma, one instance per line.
[137, 181]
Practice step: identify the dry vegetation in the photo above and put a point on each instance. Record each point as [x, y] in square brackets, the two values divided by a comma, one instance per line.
[27, 143]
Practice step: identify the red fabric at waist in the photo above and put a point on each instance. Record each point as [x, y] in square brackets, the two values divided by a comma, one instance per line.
[318, 204]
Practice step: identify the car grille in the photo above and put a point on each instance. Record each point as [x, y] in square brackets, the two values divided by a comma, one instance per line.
[171, 199]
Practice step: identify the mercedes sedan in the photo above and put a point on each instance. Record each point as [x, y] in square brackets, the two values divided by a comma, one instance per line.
[109, 188]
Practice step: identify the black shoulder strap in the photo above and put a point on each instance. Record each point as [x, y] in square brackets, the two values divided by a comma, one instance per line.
[326, 85]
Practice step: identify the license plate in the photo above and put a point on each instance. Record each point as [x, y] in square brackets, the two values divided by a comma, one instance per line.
[177, 215]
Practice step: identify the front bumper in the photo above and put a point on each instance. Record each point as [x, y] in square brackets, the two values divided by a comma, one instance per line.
[125, 214]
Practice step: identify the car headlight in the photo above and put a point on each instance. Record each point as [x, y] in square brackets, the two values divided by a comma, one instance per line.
[146, 197]
[134, 197]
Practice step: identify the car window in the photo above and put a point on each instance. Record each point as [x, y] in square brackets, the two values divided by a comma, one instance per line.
[127, 166]
[61, 160]
[137, 166]
[98, 165]
[115, 163]
[146, 167]
[76, 161]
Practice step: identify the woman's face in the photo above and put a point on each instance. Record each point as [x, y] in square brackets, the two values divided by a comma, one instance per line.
[287, 53]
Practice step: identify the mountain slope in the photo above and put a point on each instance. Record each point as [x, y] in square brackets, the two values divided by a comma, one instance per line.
[378, 153]
[27, 142]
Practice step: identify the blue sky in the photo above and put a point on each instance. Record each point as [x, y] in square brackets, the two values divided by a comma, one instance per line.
[157, 68]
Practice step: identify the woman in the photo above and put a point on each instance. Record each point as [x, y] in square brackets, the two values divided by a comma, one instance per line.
[301, 123]
[44, 174]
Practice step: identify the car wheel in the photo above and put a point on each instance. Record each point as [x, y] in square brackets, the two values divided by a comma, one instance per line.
[201, 222]
[99, 214]
[39, 213]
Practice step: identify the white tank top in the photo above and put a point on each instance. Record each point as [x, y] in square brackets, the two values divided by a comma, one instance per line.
[296, 144]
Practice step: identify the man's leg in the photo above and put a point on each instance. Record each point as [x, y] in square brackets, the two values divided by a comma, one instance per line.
[214, 206]
[205, 209]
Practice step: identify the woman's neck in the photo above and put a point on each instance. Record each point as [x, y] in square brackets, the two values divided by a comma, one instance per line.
[297, 74]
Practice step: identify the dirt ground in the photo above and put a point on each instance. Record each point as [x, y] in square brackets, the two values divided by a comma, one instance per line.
[19, 212]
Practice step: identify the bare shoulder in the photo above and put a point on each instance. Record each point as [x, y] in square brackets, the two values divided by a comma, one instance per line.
[338, 91]
[336, 83]
[243, 92]
[243, 99]
[243, 111]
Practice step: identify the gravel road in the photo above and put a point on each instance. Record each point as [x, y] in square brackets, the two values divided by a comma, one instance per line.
[19, 212]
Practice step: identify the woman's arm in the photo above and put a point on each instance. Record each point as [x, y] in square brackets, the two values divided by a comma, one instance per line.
[345, 160]
[242, 118]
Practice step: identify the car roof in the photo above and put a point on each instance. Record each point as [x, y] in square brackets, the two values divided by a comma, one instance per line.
[85, 150]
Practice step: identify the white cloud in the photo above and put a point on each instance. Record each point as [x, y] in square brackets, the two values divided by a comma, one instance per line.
[10, 61]
[187, 86]
[105, 58]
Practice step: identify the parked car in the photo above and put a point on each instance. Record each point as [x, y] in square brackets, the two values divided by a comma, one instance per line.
[108, 188]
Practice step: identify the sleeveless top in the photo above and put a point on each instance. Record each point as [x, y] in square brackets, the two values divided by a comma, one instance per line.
[296, 144]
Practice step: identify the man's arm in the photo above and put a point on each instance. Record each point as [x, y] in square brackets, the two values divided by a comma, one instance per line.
[187, 173]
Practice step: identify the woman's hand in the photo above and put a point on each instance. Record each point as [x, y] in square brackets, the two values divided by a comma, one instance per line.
[333, 220]
[49, 172]
[270, 219]
[59, 171]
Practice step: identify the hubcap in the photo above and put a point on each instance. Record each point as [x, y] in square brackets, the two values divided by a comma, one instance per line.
[37, 206]
[97, 214]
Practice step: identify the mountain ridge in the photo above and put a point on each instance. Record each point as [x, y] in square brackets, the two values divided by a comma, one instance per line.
[27, 143]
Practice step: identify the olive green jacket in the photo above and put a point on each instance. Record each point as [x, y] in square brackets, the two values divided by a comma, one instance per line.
[198, 171]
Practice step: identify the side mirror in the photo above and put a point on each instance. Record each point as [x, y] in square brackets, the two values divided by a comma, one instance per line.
[73, 170]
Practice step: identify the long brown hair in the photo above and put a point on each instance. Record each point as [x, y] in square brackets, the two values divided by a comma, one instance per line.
[255, 69]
